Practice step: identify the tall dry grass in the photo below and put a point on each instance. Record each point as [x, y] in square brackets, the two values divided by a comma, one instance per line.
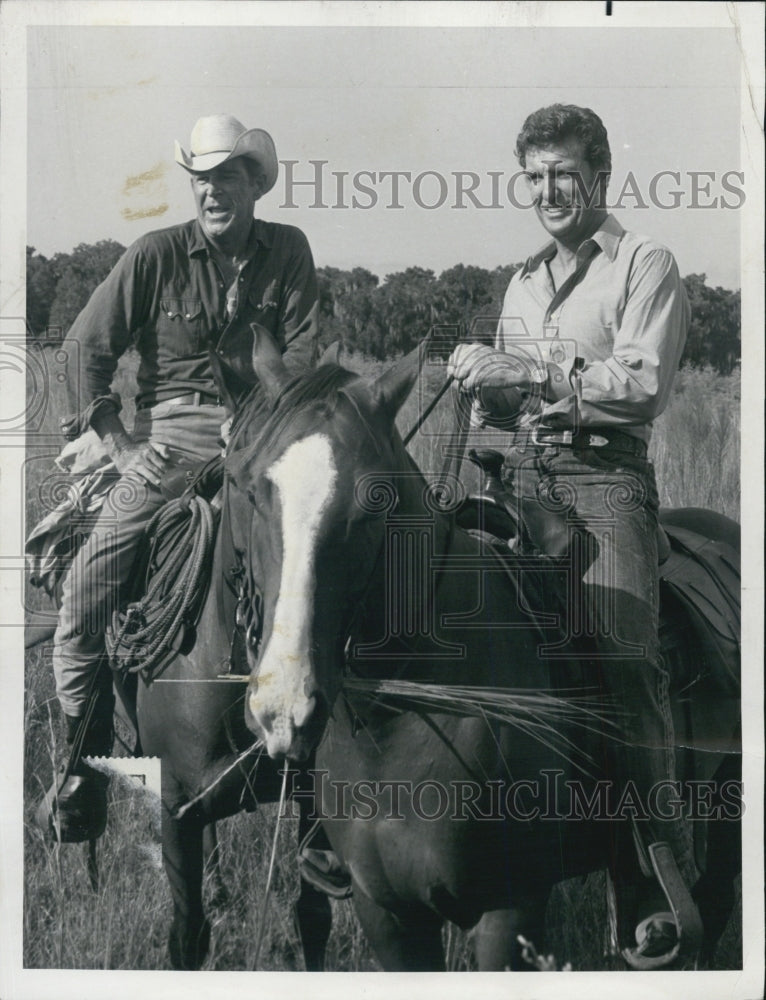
[123, 925]
[696, 443]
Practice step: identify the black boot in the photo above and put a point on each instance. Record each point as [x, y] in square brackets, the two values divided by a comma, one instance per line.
[74, 807]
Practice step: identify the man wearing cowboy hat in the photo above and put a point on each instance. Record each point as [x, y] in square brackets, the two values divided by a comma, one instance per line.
[185, 297]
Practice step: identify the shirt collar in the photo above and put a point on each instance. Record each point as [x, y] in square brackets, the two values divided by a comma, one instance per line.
[607, 238]
[531, 264]
[260, 235]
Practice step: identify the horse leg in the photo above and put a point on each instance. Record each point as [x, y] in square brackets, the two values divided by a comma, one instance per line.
[211, 852]
[313, 922]
[714, 892]
[409, 943]
[495, 937]
[312, 913]
[182, 854]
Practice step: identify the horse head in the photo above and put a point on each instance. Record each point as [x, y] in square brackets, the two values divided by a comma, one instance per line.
[313, 540]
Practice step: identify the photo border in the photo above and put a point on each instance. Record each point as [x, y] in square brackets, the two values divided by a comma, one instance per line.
[17, 983]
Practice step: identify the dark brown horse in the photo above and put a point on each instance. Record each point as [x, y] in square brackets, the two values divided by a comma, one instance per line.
[191, 716]
[439, 811]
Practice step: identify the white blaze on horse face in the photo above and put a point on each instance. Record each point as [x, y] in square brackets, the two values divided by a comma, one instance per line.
[305, 477]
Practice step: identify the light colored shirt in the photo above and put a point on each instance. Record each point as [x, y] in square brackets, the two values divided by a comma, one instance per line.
[607, 343]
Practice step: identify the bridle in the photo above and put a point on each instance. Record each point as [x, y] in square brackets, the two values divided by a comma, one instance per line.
[249, 617]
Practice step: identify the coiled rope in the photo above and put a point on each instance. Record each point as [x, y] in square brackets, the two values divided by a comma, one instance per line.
[152, 629]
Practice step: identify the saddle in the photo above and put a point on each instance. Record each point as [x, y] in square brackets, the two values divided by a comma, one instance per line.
[698, 555]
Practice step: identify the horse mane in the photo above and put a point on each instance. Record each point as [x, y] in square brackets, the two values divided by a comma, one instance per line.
[256, 427]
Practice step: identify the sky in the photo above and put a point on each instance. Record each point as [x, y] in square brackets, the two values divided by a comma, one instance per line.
[106, 103]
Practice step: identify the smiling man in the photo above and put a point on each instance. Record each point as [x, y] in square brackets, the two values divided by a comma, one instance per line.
[587, 348]
[185, 297]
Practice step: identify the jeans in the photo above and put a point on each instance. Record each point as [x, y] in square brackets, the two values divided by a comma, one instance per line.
[609, 502]
[92, 588]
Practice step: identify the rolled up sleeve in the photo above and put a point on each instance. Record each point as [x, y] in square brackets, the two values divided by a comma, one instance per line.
[632, 386]
[103, 331]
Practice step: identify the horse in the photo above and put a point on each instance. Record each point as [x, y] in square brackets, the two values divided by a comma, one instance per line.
[380, 621]
[190, 715]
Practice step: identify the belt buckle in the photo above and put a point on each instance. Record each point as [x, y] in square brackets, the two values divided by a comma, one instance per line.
[562, 437]
[597, 440]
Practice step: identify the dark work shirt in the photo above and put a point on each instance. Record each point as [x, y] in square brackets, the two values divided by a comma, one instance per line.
[167, 297]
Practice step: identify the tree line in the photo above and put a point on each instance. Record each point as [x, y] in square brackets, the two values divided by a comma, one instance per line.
[379, 319]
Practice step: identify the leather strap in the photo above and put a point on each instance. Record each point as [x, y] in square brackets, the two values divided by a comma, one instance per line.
[455, 448]
[610, 440]
[182, 399]
[685, 915]
[427, 412]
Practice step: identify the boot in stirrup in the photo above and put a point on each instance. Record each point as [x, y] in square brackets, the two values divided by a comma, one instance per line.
[671, 935]
[74, 807]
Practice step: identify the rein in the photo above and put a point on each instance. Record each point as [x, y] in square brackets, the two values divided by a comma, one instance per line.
[455, 449]
[428, 411]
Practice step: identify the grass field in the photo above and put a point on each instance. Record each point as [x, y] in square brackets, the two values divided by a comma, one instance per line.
[124, 924]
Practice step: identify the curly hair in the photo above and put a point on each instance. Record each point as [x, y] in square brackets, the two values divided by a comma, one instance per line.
[566, 121]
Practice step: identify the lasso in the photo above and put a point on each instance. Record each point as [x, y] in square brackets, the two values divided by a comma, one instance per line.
[149, 630]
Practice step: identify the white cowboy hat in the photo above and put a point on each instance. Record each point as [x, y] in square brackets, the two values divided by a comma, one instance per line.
[218, 138]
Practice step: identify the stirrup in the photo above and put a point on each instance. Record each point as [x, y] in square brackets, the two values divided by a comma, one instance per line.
[324, 872]
[667, 937]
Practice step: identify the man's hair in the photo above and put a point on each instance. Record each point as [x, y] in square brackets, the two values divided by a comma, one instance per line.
[560, 122]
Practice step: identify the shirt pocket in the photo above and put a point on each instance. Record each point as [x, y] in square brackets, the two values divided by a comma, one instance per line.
[180, 329]
[592, 341]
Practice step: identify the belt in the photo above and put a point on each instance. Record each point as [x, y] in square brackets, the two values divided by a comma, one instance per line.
[608, 439]
[185, 399]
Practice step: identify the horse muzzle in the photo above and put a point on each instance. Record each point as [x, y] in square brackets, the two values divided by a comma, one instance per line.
[288, 727]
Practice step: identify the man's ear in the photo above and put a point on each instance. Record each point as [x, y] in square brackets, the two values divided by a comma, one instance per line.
[604, 176]
[260, 184]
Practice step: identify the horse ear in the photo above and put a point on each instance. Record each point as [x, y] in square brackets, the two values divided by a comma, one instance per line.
[331, 355]
[395, 384]
[268, 364]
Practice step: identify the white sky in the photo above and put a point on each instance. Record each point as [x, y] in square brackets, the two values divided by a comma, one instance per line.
[105, 104]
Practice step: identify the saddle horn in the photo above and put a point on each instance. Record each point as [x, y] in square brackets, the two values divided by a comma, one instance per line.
[268, 365]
